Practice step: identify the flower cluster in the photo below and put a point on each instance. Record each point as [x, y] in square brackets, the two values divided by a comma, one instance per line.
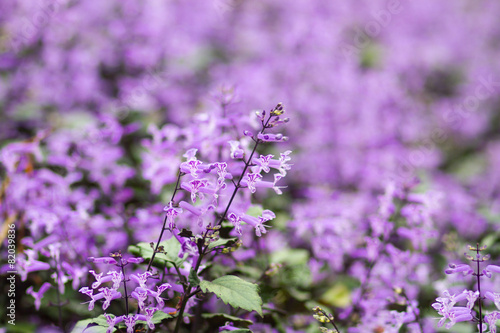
[446, 305]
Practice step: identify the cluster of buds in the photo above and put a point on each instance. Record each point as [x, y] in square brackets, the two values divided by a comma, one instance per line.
[213, 236]
[273, 121]
[324, 318]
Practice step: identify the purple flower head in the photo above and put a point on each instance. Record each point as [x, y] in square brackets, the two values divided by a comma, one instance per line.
[102, 260]
[141, 295]
[30, 264]
[460, 268]
[250, 180]
[492, 319]
[99, 279]
[132, 260]
[116, 278]
[38, 295]
[192, 164]
[141, 279]
[272, 137]
[236, 221]
[495, 297]
[148, 317]
[109, 294]
[258, 222]
[197, 187]
[223, 174]
[236, 151]
[267, 184]
[262, 163]
[491, 269]
[172, 212]
[130, 321]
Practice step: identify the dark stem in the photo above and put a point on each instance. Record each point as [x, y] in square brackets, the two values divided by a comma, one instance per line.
[164, 222]
[124, 285]
[331, 321]
[478, 276]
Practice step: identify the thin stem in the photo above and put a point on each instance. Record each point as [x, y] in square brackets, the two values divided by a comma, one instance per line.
[124, 285]
[164, 222]
[329, 319]
[478, 276]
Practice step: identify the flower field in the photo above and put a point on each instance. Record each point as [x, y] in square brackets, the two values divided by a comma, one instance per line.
[250, 166]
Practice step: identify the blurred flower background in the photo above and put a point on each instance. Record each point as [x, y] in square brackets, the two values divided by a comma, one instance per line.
[394, 110]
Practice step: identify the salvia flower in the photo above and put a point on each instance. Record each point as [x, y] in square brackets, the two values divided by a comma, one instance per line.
[236, 151]
[495, 297]
[258, 222]
[236, 221]
[111, 320]
[38, 295]
[262, 163]
[269, 137]
[99, 279]
[172, 212]
[141, 279]
[141, 295]
[30, 264]
[197, 187]
[491, 319]
[192, 165]
[102, 260]
[272, 185]
[460, 268]
[491, 269]
[250, 180]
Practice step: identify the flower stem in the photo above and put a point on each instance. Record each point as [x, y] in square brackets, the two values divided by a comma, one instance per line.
[164, 223]
[478, 276]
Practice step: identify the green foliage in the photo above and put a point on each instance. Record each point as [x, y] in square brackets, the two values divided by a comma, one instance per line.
[193, 278]
[221, 242]
[220, 319]
[100, 327]
[236, 292]
[170, 257]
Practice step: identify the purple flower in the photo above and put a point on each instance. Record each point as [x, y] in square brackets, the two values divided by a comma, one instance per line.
[460, 268]
[38, 295]
[491, 319]
[197, 187]
[172, 212]
[236, 221]
[491, 268]
[250, 180]
[141, 279]
[236, 151]
[495, 297]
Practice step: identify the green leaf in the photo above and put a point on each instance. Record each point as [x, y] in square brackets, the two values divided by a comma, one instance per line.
[255, 210]
[338, 296]
[221, 241]
[158, 317]
[193, 278]
[221, 318]
[290, 256]
[102, 325]
[236, 292]
[171, 246]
